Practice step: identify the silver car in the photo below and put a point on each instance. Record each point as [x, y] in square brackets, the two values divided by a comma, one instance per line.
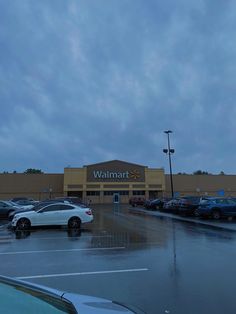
[22, 297]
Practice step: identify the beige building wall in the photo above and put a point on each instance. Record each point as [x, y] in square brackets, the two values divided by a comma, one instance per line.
[37, 186]
[153, 183]
[155, 179]
[202, 185]
[74, 180]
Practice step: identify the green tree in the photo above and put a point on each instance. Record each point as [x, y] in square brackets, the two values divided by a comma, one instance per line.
[198, 172]
[32, 170]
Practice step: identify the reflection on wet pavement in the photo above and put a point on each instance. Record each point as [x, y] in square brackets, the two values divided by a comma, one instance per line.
[184, 267]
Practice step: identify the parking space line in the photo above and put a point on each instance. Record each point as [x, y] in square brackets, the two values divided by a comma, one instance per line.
[69, 250]
[60, 238]
[86, 273]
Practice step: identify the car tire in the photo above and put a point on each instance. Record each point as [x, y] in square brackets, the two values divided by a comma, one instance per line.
[196, 213]
[23, 224]
[216, 214]
[74, 223]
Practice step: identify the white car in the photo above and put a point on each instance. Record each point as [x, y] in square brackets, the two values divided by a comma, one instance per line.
[57, 214]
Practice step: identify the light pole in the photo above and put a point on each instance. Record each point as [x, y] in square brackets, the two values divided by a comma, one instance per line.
[170, 151]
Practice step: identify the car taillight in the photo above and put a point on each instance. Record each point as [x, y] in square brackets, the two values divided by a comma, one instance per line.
[88, 212]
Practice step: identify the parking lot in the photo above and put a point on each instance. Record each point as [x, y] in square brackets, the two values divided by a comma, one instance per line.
[153, 261]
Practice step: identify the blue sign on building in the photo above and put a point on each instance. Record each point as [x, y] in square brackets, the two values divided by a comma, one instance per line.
[221, 193]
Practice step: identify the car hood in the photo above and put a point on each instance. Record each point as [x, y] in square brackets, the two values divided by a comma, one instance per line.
[87, 305]
[19, 212]
[82, 303]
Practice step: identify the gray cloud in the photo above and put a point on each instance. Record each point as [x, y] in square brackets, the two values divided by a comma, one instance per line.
[88, 81]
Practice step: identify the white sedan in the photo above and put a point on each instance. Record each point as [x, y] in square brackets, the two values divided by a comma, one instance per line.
[56, 214]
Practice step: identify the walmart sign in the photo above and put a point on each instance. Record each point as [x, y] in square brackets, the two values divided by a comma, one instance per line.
[110, 175]
[115, 171]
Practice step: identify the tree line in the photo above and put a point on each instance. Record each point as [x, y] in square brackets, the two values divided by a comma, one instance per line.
[27, 171]
[201, 172]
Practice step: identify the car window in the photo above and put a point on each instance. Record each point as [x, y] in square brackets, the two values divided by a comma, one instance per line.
[42, 204]
[51, 208]
[221, 201]
[66, 207]
[231, 202]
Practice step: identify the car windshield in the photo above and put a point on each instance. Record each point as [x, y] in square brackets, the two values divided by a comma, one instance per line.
[21, 300]
[10, 203]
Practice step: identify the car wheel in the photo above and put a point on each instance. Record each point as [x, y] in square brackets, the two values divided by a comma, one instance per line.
[216, 214]
[23, 224]
[74, 223]
[196, 213]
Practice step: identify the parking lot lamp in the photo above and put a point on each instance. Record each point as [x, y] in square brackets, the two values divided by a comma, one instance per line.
[169, 151]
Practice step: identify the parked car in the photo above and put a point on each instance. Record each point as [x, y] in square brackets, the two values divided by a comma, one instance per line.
[71, 199]
[154, 204]
[171, 206]
[27, 204]
[137, 201]
[217, 207]
[233, 199]
[56, 214]
[6, 208]
[188, 205]
[18, 296]
[20, 198]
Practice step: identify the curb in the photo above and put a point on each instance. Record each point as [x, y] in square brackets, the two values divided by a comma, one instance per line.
[190, 220]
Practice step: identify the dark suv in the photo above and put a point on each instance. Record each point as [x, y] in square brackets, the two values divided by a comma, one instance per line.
[154, 204]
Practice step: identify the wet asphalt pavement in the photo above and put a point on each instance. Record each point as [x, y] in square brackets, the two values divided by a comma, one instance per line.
[156, 263]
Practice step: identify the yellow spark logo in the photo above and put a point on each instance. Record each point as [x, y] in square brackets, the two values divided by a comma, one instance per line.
[134, 174]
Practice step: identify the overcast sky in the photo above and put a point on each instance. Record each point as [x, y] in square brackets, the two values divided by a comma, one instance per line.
[86, 81]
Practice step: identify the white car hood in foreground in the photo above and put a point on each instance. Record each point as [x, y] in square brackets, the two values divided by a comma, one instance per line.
[83, 304]
[87, 305]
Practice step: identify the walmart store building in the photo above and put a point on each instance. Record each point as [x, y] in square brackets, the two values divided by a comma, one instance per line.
[99, 182]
